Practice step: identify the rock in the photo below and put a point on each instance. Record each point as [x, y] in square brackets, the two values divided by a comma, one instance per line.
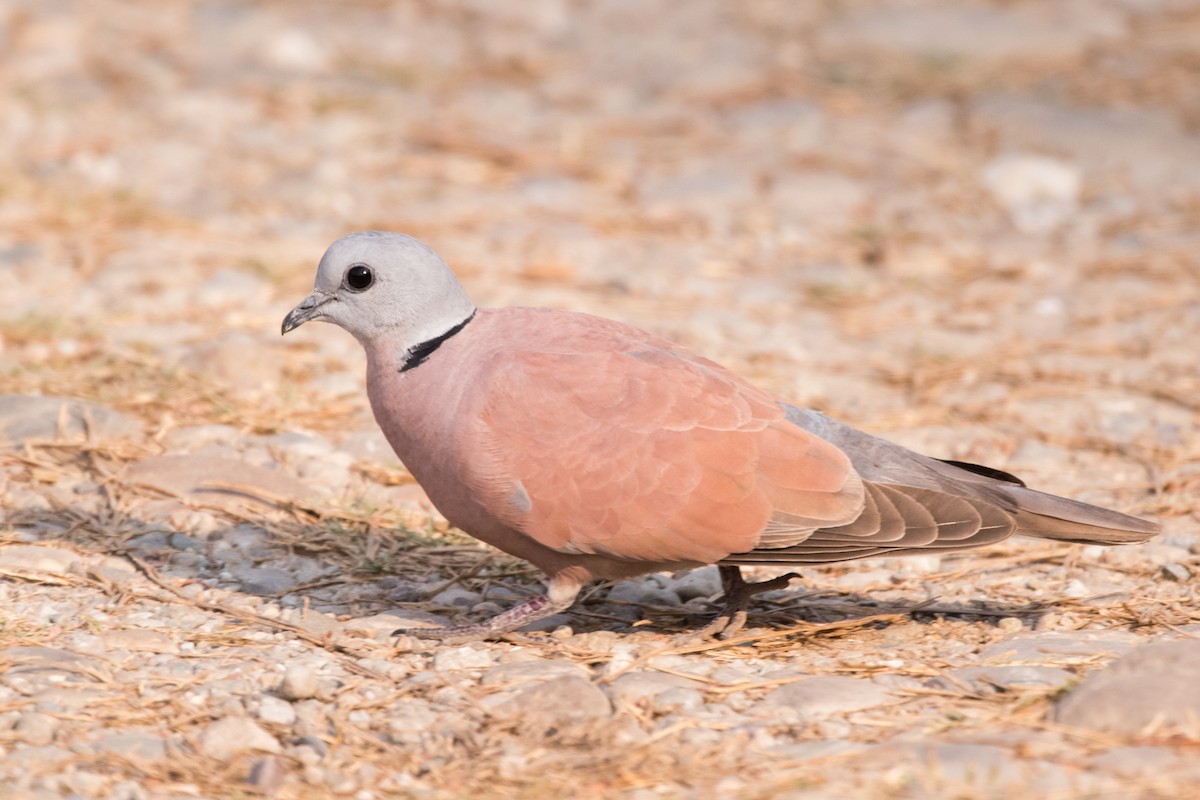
[1150, 689]
[640, 688]
[223, 359]
[1134, 761]
[953, 763]
[275, 711]
[35, 729]
[558, 701]
[219, 482]
[1039, 193]
[527, 671]
[28, 417]
[263, 581]
[1061, 648]
[704, 582]
[137, 744]
[817, 198]
[232, 736]
[1018, 677]
[45, 757]
[1148, 146]
[824, 696]
[464, 657]
[139, 640]
[971, 32]
[456, 596]
[647, 590]
[1176, 572]
[267, 775]
[299, 682]
[385, 624]
[24, 558]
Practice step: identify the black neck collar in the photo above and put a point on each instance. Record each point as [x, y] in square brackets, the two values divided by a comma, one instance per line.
[417, 354]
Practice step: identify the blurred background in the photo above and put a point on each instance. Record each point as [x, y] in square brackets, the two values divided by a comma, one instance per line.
[973, 227]
[918, 215]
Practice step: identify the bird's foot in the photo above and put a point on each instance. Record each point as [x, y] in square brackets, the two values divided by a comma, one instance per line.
[737, 597]
[539, 607]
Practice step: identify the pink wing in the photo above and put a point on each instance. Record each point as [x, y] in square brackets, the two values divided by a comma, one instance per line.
[644, 451]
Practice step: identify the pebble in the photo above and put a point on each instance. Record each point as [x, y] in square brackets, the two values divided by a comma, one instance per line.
[824, 696]
[136, 744]
[299, 682]
[525, 671]
[1039, 193]
[1003, 678]
[232, 736]
[704, 582]
[463, 658]
[275, 711]
[1151, 688]
[640, 688]
[1176, 572]
[36, 558]
[29, 417]
[35, 729]
[557, 701]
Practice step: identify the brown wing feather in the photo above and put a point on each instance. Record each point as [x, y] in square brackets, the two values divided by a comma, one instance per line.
[642, 451]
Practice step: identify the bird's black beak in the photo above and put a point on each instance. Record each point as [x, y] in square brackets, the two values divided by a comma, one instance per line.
[308, 308]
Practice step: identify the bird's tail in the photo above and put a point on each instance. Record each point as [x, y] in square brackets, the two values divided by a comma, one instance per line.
[1046, 516]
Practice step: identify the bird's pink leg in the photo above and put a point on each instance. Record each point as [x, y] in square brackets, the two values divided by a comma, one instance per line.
[559, 596]
[738, 593]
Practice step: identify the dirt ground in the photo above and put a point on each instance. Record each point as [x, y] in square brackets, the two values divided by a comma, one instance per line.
[970, 227]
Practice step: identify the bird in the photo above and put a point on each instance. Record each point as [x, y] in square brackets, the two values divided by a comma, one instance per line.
[596, 450]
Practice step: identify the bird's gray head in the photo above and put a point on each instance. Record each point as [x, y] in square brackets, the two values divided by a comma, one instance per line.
[384, 286]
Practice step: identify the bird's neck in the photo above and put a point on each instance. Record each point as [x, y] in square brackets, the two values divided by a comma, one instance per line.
[418, 353]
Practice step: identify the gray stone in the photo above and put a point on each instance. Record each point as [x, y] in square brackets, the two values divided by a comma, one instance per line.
[263, 581]
[704, 582]
[826, 695]
[299, 682]
[971, 32]
[1133, 761]
[1071, 647]
[275, 711]
[975, 764]
[139, 640]
[1149, 689]
[232, 736]
[1008, 677]
[463, 658]
[1149, 146]
[197, 436]
[1039, 193]
[267, 775]
[136, 744]
[456, 596]
[35, 729]
[563, 700]
[1176, 572]
[219, 482]
[36, 758]
[28, 417]
[526, 671]
[385, 624]
[639, 688]
[22, 558]
[648, 590]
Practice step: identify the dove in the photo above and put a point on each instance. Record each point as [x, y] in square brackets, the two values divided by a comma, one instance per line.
[596, 450]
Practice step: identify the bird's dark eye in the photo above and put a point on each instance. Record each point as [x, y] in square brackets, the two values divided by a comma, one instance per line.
[359, 277]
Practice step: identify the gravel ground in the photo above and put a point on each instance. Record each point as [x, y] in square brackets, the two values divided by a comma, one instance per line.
[971, 227]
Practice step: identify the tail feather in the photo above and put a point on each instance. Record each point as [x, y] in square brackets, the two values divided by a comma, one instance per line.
[1047, 516]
